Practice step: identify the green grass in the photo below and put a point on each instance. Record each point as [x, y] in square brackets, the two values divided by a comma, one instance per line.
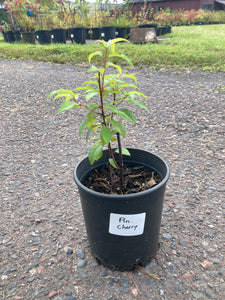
[199, 47]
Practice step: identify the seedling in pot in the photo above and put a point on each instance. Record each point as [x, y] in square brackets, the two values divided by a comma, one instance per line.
[106, 97]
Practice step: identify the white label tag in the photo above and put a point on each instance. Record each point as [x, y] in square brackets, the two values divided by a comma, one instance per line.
[127, 225]
[72, 36]
[102, 34]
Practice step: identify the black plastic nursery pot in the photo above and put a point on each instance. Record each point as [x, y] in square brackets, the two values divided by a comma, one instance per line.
[17, 35]
[28, 37]
[43, 36]
[123, 230]
[168, 29]
[78, 35]
[94, 33]
[148, 26]
[58, 35]
[108, 33]
[122, 32]
[5, 36]
[10, 36]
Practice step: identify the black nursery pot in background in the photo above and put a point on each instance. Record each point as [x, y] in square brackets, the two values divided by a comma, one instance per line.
[123, 230]
[28, 37]
[78, 35]
[95, 33]
[17, 35]
[9, 36]
[58, 35]
[5, 36]
[122, 32]
[148, 26]
[108, 33]
[43, 36]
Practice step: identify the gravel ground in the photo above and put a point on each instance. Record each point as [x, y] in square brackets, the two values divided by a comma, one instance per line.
[44, 252]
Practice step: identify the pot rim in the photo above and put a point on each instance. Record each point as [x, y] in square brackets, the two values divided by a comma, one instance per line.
[98, 194]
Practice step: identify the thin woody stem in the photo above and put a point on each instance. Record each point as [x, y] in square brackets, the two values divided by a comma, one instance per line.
[121, 161]
[101, 89]
[101, 98]
[121, 100]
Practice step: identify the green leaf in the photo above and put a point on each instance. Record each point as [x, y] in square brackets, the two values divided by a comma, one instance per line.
[112, 47]
[127, 115]
[92, 107]
[91, 121]
[51, 94]
[115, 55]
[90, 82]
[123, 56]
[110, 64]
[83, 125]
[102, 42]
[118, 127]
[113, 90]
[93, 68]
[111, 43]
[95, 138]
[112, 163]
[66, 105]
[126, 84]
[117, 40]
[66, 96]
[105, 93]
[140, 104]
[111, 107]
[97, 53]
[95, 152]
[62, 93]
[91, 129]
[89, 132]
[130, 76]
[106, 135]
[101, 70]
[138, 94]
[124, 151]
[90, 94]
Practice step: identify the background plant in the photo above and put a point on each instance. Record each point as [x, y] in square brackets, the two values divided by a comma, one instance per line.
[188, 17]
[107, 115]
[18, 13]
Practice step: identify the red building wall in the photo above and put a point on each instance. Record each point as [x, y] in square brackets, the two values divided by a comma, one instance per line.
[178, 4]
[186, 5]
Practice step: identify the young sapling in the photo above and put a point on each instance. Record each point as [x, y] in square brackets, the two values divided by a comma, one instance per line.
[106, 98]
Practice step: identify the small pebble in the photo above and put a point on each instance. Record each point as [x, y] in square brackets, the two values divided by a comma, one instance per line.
[82, 274]
[84, 237]
[69, 251]
[124, 283]
[80, 254]
[208, 294]
[166, 236]
[81, 263]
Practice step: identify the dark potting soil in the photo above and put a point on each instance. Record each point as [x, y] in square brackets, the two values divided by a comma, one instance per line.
[106, 180]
